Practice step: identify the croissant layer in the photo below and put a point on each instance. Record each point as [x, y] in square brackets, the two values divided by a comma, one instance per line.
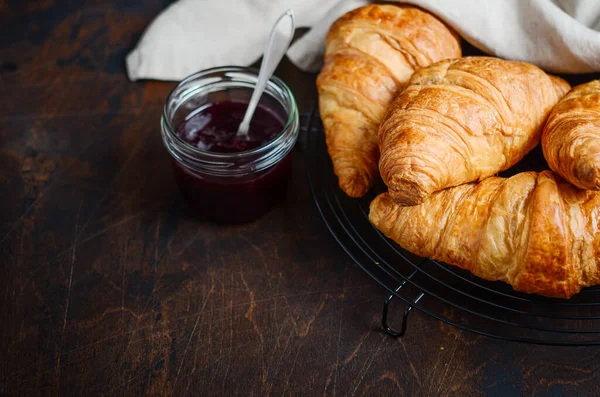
[571, 137]
[460, 121]
[371, 52]
[534, 231]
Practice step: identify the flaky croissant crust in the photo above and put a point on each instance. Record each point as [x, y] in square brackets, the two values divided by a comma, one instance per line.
[571, 136]
[534, 231]
[370, 53]
[460, 121]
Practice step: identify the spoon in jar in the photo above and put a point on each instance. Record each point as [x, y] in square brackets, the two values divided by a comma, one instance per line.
[279, 41]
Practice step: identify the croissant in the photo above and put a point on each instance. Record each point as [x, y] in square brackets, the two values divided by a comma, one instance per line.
[370, 53]
[571, 137]
[534, 231]
[463, 120]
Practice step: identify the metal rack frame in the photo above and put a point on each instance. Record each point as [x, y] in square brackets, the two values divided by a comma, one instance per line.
[444, 292]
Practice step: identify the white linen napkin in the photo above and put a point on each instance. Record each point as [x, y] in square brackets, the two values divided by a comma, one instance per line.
[561, 36]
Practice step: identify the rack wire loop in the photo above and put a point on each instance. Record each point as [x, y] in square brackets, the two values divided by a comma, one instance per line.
[384, 317]
[386, 305]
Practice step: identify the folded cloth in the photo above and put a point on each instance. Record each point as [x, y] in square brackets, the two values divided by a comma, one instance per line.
[560, 36]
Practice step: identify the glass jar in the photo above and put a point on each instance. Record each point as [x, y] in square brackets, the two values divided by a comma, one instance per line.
[230, 187]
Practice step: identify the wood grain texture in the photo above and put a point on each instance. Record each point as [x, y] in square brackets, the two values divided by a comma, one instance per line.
[109, 287]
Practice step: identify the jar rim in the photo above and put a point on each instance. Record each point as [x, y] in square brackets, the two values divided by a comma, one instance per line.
[281, 136]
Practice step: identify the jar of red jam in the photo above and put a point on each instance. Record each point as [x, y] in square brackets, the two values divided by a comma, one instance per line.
[225, 177]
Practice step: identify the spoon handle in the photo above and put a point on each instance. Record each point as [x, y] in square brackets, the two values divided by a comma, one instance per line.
[279, 41]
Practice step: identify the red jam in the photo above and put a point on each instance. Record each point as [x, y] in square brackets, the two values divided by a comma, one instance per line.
[214, 128]
[232, 199]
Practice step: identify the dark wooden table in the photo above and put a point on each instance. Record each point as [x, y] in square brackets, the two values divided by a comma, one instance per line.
[109, 287]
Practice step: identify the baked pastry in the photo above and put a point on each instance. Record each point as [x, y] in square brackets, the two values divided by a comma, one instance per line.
[534, 231]
[461, 121]
[371, 52]
[571, 137]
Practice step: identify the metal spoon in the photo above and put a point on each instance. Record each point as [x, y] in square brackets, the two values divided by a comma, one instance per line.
[279, 41]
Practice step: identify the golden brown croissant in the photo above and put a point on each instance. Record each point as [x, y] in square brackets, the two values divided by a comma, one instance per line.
[370, 53]
[534, 231]
[571, 137]
[460, 121]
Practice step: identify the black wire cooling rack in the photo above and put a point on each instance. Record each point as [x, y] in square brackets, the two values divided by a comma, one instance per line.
[445, 292]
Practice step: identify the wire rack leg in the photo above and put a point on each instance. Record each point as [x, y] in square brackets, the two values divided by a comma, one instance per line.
[386, 304]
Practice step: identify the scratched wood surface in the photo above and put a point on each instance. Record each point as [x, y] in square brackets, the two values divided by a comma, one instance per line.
[109, 287]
